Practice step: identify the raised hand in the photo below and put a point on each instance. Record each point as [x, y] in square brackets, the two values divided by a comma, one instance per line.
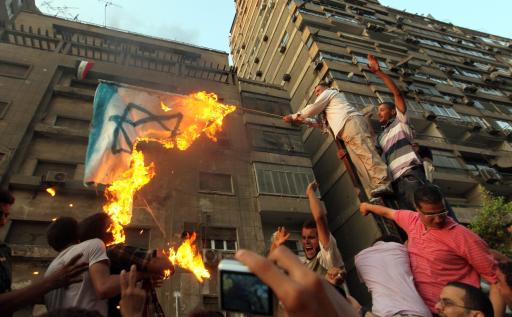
[133, 297]
[373, 64]
[281, 235]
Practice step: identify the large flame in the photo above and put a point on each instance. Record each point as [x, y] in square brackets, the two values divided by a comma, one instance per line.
[202, 113]
[188, 257]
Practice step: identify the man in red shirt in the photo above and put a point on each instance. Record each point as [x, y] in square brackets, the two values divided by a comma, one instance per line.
[441, 250]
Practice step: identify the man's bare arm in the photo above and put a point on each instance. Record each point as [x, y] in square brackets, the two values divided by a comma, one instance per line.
[366, 208]
[318, 212]
[498, 303]
[105, 285]
[68, 274]
[373, 65]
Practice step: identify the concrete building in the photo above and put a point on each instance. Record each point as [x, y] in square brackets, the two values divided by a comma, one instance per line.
[456, 81]
[229, 191]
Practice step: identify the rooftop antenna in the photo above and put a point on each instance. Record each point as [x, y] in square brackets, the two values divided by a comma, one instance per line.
[108, 3]
[60, 11]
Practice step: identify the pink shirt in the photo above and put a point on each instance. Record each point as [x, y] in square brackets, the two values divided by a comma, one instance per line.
[438, 256]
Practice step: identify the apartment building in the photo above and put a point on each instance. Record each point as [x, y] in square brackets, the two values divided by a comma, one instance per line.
[456, 82]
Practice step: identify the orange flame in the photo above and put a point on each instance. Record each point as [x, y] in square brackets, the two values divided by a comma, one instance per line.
[202, 113]
[51, 191]
[188, 257]
[120, 194]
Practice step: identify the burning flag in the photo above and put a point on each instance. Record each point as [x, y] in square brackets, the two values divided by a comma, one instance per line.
[126, 115]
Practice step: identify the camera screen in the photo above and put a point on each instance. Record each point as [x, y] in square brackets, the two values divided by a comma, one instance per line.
[244, 292]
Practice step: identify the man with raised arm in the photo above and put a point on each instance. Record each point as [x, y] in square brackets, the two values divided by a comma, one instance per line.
[441, 250]
[396, 141]
[348, 125]
[320, 248]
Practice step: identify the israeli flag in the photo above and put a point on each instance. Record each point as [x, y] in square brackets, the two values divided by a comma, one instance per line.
[123, 113]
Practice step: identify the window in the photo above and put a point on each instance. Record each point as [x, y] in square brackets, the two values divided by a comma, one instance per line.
[374, 79]
[4, 105]
[282, 179]
[334, 74]
[473, 119]
[220, 238]
[360, 101]
[504, 125]
[284, 39]
[311, 12]
[428, 42]
[441, 110]
[430, 77]
[341, 18]
[469, 73]
[275, 140]
[491, 91]
[429, 90]
[215, 182]
[482, 66]
[9, 69]
[72, 123]
[361, 59]
[26, 232]
[334, 57]
[445, 159]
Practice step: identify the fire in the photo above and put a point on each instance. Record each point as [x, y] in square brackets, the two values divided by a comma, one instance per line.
[120, 194]
[188, 257]
[202, 113]
[51, 191]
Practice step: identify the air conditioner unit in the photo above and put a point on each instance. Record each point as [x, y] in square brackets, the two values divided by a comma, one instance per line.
[287, 77]
[256, 60]
[468, 101]
[474, 127]
[212, 257]
[318, 65]
[493, 131]
[259, 73]
[470, 89]
[468, 61]
[449, 71]
[411, 40]
[55, 177]
[490, 175]
[282, 48]
[429, 115]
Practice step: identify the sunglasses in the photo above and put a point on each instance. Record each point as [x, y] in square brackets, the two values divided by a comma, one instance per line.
[443, 302]
[442, 212]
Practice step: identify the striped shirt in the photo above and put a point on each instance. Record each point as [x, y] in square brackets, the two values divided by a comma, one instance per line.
[395, 142]
[450, 254]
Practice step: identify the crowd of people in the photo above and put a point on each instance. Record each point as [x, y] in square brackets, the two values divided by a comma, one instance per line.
[436, 272]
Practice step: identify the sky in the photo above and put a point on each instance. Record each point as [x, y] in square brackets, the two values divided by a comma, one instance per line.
[207, 22]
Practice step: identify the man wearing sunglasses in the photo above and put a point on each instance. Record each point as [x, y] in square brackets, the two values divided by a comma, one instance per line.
[441, 250]
[463, 300]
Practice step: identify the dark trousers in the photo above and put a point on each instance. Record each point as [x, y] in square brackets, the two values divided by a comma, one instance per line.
[405, 186]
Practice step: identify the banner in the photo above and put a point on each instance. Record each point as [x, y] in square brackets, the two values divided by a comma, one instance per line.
[121, 115]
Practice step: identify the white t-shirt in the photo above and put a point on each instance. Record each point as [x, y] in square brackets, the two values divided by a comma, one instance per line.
[82, 294]
[329, 256]
[337, 109]
[385, 269]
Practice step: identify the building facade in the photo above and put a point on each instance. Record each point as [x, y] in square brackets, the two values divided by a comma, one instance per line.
[229, 191]
[456, 83]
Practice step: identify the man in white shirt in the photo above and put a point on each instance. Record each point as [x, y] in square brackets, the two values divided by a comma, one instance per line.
[97, 284]
[319, 245]
[385, 269]
[348, 125]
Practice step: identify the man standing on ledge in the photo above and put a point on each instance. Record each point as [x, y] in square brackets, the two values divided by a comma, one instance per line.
[348, 125]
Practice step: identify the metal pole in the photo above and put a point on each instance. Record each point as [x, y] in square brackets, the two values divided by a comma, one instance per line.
[177, 295]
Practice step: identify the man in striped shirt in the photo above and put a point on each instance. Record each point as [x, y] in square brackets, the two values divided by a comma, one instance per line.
[396, 140]
[441, 250]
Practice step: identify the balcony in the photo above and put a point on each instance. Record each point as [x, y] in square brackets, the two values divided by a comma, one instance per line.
[454, 181]
[283, 209]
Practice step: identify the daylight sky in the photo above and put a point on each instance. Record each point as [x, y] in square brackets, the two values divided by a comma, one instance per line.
[207, 22]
